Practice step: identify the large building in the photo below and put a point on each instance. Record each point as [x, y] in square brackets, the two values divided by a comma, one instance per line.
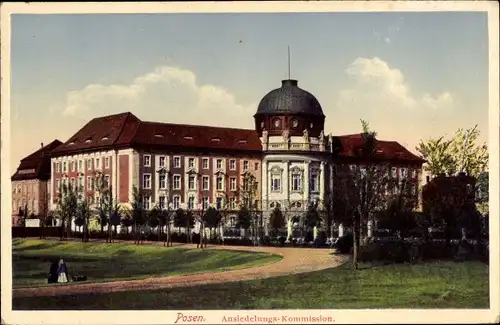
[30, 183]
[288, 153]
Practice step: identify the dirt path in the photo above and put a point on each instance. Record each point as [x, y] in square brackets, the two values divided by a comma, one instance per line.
[295, 260]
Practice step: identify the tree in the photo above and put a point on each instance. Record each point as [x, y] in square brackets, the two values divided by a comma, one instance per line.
[482, 193]
[189, 223]
[179, 219]
[212, 218]
[165, 218]
[115, 215]
[276, 220]
[83, 214]
[67, 202]
[461, 153]
[138, 214]
[244, 219]
[248, 194]
[360, 190]
[438, 156]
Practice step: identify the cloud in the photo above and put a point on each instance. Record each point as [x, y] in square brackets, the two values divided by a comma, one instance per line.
[375, 84]
[168, 93]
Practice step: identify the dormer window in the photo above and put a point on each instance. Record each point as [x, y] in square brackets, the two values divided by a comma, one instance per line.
[158, 136]
[215, 139]
[188, 138]
[104, 139]
[242, 141]
[295, 123]
[71, 144]
[88, 140]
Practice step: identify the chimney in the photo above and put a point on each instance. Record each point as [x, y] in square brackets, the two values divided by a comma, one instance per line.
[41, 144]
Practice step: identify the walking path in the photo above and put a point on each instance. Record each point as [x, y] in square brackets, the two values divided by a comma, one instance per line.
[295, 260]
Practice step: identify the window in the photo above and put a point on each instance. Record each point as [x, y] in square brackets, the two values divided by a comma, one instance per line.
[89, 164]
[80, 183]
[205, 163]
[58, 167]
[232, 183]
[275, 182]
[296, 182]
[163, 181]
[232, 164]
[107, 182]
[245, 165]
[218, 203]
[404, 172]
[414, 173]
[146, 181]
[72, 183]
[58, 185]
[177, 202]
[256, 166]
[205, 202]
[218, 183]
[177, 182]
[205, 182]
[80, 165]
[313, 183]
[177, 162]
[89, 183]
[106, 162]
[146, 200]
[232, 203]
[73, 166]
[190, 162]
[394, 172]
[219, 164]
[427, 178]
[147, 160]
[191, 183]
[161, 202]
[64, 166]
[97, 163]
[161, 161]
[190, 204]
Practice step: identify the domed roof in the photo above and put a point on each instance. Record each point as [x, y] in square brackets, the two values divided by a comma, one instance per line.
[289, 99]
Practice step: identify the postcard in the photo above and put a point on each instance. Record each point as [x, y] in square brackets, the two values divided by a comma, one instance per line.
[250, 162]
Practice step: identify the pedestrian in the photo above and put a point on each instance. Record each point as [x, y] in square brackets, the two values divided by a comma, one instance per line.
[53, 272]
[62, 272]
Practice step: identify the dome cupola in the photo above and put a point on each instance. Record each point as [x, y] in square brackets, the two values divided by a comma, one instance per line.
[289, 108]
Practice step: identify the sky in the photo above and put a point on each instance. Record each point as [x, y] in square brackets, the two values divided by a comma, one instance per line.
[412, 76]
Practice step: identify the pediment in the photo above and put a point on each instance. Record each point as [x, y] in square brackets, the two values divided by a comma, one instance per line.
[276, 169]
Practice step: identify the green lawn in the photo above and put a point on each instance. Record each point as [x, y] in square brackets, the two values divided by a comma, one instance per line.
[111, 262]
[430, 285]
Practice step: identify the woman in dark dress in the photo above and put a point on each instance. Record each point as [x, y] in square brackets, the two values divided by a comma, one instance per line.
[53, 272]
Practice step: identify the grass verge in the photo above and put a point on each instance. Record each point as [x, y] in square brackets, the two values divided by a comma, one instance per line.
[112, 262]
[428, 285]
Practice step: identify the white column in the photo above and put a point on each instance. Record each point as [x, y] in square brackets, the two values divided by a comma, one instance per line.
[51, 193]
[322, 182]
[315, 232]
[341, 230]
[286, 181]
[114, 174]
[264, 182]
[289, 228]
[306, 181]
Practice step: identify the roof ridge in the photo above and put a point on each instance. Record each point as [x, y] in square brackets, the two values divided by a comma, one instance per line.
[198, 126]
[128, 115]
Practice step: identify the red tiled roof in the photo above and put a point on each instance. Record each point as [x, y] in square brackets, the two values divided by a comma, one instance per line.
[37, 164]
[350, 146]
[100, 133]
[127, 130]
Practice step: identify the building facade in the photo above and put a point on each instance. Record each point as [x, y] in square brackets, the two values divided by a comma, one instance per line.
[30, 184]
[288, 155]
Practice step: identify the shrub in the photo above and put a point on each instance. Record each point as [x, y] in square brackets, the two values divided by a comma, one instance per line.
[344, 244]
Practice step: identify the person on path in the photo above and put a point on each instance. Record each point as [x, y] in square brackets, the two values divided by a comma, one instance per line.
[62, 272]
[53, 272]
